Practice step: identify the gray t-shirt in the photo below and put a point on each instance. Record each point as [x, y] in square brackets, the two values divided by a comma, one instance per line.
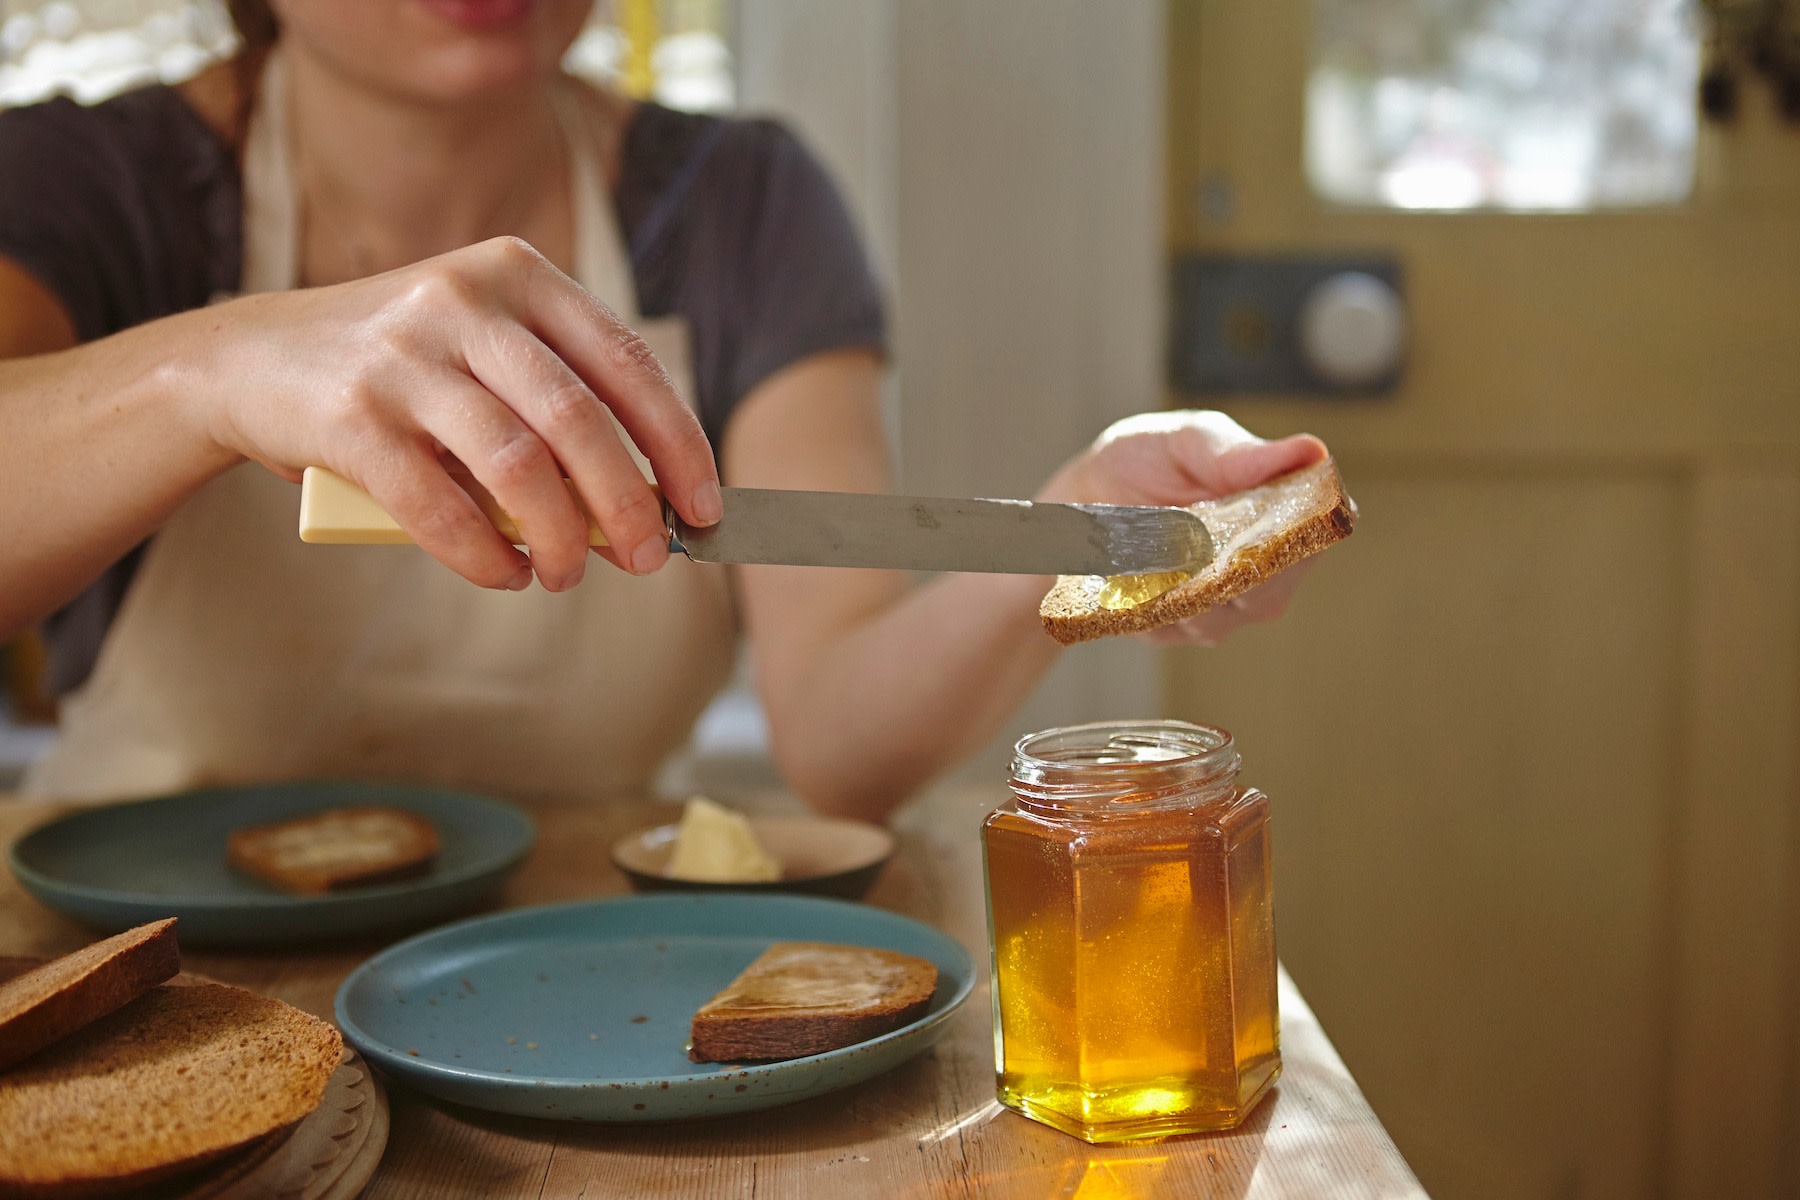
[131, 209]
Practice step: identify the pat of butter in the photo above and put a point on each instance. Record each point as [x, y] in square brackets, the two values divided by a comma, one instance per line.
[716, 845]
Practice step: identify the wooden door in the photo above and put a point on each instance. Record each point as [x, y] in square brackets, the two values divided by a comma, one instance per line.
[1530, 733]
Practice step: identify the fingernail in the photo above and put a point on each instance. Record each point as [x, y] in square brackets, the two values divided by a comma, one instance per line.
[573, 577]
[649, 556]
[520, 581]
[707, 504]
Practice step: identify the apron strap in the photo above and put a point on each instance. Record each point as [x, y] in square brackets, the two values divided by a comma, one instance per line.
[271, 216]
[602, 263]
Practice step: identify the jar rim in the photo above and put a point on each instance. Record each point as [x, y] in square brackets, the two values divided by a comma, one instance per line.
[1135, 765]
[1192, 740]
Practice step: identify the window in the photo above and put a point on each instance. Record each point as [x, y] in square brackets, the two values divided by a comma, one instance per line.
[674, 51]
[99, 48]
[1525, 105]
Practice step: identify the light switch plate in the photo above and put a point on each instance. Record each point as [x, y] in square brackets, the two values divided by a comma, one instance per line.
[1235, 324]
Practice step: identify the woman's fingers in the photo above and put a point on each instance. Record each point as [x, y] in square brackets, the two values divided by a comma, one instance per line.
[578, 433]
[508, 458]
[1183, 456]
[1217, 456]
[1265, 602]
[618, 367]
[406, 478]
[1247, 464]
[506, 364]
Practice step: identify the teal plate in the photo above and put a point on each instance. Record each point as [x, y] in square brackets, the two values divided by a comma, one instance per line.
[125, 864]
[580, 1011]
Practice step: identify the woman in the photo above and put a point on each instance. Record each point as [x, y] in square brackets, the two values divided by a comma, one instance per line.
[452, 256]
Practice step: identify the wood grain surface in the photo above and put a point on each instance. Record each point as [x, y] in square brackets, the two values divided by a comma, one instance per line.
[930, 1128]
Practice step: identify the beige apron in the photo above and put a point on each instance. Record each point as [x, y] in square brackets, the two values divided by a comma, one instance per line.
[241, 654]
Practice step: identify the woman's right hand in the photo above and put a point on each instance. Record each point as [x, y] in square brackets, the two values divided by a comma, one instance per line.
[488, 354]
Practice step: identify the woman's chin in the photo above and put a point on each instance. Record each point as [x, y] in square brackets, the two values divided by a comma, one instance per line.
[468, 50]
[473, 74]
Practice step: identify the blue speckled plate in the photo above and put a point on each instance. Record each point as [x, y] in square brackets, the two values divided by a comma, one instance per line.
[125, 864]
[580, 1011]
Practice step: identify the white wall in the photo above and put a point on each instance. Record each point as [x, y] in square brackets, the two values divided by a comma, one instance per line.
[827, 66]
[1005, 159]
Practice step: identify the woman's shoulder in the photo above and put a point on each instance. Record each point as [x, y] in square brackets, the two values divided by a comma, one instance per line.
[126, 209]
[662, 159]
[714, 173]
[663, 142]
[143, 122]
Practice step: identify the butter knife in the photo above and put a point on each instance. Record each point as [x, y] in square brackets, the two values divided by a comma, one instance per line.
[851, 529]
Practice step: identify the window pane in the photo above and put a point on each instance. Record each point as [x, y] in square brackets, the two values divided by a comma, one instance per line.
[676, 52]
[1558, 105]
[98, 48]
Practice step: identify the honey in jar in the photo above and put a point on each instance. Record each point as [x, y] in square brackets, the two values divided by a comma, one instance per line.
[1132, 930]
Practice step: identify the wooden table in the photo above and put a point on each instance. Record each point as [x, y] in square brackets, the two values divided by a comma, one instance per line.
[930, 1128]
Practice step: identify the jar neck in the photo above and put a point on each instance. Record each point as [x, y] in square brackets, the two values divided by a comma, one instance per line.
[1123, 768]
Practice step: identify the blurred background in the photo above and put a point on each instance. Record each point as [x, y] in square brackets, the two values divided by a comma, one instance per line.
[1532, 268]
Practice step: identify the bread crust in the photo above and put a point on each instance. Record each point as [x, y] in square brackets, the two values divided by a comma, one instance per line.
[180, 1077]
[735, 1026]
[55, 999]
[1307, 510]
[767, 1038]
[255, 851]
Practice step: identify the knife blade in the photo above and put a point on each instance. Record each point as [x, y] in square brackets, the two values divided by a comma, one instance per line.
[851, 529]
[921, 533]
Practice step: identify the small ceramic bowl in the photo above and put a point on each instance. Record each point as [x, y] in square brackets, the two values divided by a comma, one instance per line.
[819, 856]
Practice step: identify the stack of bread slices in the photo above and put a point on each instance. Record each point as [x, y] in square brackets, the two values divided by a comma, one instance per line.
[118, 1073]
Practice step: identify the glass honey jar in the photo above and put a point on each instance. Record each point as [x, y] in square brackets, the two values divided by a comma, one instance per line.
[1133, 934]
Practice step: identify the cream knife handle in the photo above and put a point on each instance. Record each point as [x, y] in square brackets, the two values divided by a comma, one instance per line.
[335, 512]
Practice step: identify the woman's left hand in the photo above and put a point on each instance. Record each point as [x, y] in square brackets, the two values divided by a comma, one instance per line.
[1180, 458]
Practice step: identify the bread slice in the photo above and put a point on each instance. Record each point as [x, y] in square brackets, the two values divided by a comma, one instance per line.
[46, 1002]
[802, 998]
[340, 847]
[177, 1078]
[1255, 534]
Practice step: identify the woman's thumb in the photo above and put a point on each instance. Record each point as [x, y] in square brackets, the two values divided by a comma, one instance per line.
[1248, 464]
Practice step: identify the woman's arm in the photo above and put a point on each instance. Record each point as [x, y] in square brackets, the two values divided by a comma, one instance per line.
[488, 355]
[872, 688]
[97, 446]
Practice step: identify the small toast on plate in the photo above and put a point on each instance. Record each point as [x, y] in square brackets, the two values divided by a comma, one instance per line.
[337, 848]
[59, 997]
[1255, 534]
[801, 998]
[181, 1076]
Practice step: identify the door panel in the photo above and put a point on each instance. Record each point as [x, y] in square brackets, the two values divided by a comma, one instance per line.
[1473, 827]
[1530, 732]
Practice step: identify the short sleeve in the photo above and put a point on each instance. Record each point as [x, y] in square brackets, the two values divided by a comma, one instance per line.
[737, 227]
[126, 211]
[809, 287]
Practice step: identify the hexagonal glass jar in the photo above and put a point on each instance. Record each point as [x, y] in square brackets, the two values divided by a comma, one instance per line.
[1133, 934]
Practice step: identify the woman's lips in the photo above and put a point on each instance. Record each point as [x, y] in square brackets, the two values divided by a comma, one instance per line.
[481, 15]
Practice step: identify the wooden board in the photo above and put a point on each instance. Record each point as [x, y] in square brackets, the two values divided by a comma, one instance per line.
[331, 1155]
[929, 1128]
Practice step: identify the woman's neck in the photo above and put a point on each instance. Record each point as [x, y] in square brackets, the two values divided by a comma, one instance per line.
[384, 181]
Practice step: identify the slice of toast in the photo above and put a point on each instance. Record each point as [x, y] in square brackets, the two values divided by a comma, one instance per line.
[177, 1078]
[802, 998]
[46, 1002]
[1255, 533]
[341, 847]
